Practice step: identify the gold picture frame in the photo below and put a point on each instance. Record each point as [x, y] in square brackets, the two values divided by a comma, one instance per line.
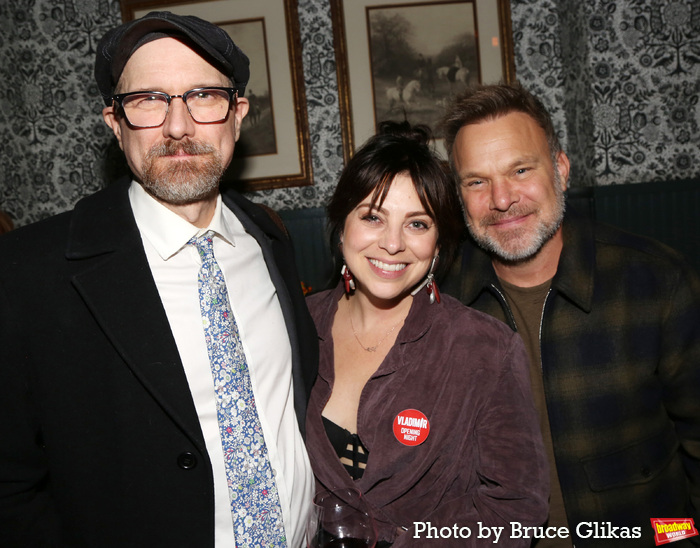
[374, 85]
[274, 149]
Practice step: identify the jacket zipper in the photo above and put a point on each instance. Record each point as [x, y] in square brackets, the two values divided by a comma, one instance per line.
[539, 335]
[512, 319]
[504, 302]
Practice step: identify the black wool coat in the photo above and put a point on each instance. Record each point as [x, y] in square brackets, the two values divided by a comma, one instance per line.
[100, 444]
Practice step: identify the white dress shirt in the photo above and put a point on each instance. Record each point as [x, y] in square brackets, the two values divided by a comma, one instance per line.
[257, 311]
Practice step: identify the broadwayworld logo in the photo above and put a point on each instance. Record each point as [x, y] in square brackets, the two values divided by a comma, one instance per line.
[670, 530]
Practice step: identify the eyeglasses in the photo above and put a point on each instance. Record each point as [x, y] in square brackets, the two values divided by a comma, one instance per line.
[145, 109]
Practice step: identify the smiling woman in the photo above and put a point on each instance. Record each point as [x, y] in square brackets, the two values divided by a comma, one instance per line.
[400, 366]
[389, 247]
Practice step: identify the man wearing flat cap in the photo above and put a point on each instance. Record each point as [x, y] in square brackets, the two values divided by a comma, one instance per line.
[157, 352]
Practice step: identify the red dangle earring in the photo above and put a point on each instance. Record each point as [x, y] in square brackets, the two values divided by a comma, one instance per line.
[430, 284]
[348, 280]
[432, 289]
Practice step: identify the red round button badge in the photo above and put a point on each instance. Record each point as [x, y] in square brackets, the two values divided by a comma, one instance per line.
[411, 427]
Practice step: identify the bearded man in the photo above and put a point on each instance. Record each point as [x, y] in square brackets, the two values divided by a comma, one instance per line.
[158, 353]
[611, 322]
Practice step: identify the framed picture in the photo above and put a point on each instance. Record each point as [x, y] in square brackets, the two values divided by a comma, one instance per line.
[405, 59]
[273, 150]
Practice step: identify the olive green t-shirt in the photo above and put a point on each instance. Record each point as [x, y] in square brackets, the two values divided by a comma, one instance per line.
[527, 304]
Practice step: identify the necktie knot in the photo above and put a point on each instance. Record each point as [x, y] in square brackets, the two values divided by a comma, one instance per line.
[204, 245]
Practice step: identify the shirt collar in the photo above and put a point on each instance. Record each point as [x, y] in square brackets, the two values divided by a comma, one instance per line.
[575, 275]
[165, 229]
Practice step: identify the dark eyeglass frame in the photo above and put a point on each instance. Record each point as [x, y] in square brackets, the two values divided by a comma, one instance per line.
[119, 99]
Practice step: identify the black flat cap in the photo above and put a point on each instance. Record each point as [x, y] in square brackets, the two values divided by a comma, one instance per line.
[211, 42]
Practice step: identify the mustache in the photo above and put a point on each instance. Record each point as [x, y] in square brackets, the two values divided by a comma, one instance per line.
[498, 216]
[172, 147]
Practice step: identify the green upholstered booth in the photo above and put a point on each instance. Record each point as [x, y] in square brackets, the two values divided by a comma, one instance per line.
[667, 211]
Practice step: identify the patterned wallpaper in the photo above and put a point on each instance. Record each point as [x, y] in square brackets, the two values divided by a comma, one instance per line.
[622, 79]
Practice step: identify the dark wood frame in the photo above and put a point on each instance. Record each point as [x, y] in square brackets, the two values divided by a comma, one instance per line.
[342, 59]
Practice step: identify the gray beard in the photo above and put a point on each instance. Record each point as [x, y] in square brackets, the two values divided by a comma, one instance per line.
[544, 231]
[183, 182]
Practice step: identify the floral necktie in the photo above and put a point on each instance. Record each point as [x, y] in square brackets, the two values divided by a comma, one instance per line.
[255, 505]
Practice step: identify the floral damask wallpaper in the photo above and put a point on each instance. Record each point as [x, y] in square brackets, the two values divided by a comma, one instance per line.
[622, 78]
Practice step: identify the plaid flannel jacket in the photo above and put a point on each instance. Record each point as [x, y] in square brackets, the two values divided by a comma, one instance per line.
[620, 342]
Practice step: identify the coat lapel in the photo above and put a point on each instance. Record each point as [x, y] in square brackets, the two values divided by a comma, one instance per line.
[280, 264]
[111, 273]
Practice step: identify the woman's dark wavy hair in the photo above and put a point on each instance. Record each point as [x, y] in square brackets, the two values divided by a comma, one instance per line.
[399, 148]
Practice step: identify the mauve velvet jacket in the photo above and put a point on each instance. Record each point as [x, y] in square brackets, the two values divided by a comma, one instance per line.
[483, 460]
